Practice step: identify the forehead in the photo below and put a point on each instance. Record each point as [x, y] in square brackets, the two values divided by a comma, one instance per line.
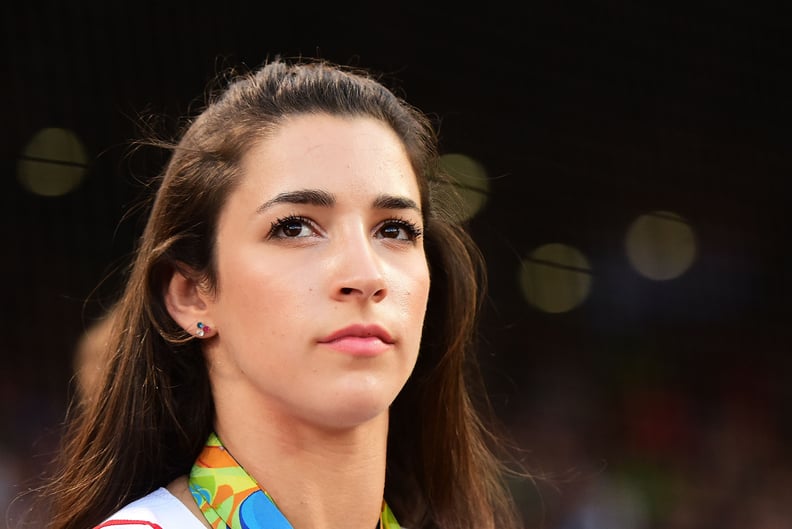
[341, 154]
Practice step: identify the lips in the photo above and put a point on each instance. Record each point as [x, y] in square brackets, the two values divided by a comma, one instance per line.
[359, 340]
[359, 331]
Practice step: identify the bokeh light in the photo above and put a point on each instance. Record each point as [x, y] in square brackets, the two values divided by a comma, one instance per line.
[470, 182]
[660, 245]
[555, 278]
[53, 163]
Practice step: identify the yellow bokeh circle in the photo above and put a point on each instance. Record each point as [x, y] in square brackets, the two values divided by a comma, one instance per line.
[53, 163]
[555, 278]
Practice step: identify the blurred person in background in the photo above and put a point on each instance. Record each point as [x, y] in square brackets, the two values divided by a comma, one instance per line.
[92, 355]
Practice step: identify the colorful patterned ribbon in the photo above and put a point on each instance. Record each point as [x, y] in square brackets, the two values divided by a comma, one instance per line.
[230, 498]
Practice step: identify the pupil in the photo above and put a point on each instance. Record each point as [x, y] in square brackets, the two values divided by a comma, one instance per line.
[292, 229]
[390, 231]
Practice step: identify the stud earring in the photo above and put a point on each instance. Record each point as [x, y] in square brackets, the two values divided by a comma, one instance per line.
[202, 329]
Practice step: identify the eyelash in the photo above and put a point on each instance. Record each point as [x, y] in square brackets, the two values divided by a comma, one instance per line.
[413, 231]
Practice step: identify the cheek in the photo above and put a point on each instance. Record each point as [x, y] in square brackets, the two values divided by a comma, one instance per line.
[263, 296]
[263, 319]
[417, 295]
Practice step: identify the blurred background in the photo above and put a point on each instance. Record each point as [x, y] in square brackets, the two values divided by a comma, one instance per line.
[625, 168]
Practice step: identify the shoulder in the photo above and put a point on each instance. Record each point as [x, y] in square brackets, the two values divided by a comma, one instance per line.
[157, 510]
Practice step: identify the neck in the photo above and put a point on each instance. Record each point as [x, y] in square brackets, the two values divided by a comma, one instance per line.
[320, 478]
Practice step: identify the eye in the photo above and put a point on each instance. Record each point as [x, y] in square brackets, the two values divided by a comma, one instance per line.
[292, 227]
[399, 229]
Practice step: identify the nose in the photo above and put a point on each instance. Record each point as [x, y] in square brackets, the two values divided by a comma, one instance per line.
[358, 273]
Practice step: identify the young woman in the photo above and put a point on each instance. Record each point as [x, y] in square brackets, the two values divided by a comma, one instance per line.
[294, 344]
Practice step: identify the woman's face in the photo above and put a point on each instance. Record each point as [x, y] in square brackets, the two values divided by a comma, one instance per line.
[322, 277]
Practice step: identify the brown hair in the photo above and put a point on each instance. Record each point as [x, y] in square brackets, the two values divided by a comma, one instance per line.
[150, 418]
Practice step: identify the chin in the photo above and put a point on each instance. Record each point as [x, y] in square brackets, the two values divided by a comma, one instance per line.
[361, 408]
[353, 401]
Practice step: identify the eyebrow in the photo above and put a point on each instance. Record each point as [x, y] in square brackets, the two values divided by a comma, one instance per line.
[395, 202]
[314, 197]
[317, 197]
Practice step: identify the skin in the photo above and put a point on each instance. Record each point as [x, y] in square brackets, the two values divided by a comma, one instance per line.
[305, 415]
[90, 357]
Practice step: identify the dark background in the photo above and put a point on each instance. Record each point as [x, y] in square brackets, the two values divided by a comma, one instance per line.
[653, 404]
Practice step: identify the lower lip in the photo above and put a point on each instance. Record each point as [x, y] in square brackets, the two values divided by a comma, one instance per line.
[358, 345]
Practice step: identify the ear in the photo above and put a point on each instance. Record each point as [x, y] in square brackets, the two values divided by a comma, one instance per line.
[187, 302]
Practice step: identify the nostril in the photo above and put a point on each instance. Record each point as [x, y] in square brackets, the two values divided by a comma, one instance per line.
[346, 290]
